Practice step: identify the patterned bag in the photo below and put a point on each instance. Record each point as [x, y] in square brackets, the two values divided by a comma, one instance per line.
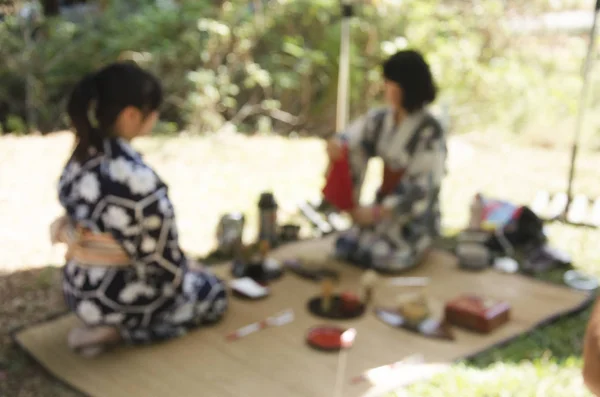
[497, 228]
[513, 226]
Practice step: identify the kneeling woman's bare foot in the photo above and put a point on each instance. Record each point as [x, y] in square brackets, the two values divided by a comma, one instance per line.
[91, 341]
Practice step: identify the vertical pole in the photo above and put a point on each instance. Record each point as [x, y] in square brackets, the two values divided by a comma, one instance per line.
[30, 119]
[343, 95]
[581, 110]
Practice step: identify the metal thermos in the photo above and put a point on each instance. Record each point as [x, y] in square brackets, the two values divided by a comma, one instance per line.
[230, 233]
[267, 210]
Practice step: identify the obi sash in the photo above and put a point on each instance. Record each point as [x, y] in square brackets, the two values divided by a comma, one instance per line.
[390, 181]
[88, 248]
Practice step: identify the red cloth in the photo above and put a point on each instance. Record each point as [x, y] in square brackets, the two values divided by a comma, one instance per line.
[338, 190]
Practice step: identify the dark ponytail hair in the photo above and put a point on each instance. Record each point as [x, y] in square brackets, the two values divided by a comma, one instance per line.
[99, 98]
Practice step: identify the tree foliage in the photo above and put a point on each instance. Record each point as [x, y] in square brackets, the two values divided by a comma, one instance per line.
[273, 64]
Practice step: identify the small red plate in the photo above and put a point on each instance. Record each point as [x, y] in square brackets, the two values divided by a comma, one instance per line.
[325, 338]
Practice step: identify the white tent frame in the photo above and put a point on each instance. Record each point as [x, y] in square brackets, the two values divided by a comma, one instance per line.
[581, 110]
[343, 94]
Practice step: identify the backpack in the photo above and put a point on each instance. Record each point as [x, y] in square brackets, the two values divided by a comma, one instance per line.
[513, 226]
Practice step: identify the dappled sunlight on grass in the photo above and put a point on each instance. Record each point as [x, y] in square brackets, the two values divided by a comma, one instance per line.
[545, 378]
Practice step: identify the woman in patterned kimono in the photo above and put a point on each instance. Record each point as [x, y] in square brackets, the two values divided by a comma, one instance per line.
[126, 276]
[396, 231]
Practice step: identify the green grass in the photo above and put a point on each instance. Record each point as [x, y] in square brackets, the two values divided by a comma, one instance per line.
[211, 176]
[504, 379]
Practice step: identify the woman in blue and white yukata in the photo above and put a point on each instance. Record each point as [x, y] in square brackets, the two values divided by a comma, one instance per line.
[126, 276]
[394, 233]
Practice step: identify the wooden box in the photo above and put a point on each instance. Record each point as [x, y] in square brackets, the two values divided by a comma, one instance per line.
[477, 313]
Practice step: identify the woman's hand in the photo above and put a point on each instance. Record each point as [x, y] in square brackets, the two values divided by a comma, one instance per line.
[367, 216]
[334, 149]
[57, 228]
[362, 216]
[195, 266]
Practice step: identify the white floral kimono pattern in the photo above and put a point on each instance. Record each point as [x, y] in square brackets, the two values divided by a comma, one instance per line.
[157, 297]
[418, 147]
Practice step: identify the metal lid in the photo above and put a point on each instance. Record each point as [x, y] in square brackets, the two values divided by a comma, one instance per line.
[267, 200]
